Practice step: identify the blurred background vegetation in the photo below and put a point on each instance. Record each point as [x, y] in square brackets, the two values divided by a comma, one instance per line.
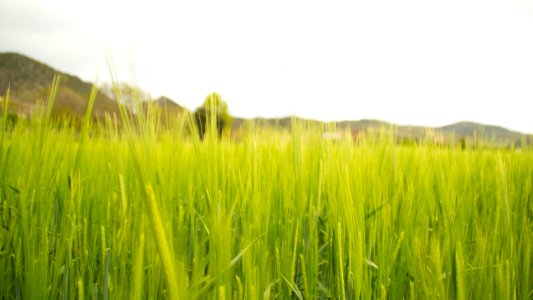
[29, 83]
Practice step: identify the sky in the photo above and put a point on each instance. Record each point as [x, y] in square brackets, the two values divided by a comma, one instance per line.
[411, 62]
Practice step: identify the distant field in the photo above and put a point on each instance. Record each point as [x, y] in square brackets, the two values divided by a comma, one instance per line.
[149, 214]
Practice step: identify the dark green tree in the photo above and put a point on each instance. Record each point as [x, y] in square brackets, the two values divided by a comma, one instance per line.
[212, 114]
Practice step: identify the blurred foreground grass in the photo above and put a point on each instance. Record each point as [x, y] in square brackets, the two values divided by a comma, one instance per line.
[146, 213]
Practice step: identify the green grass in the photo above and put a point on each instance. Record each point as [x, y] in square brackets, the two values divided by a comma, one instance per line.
[147, 213]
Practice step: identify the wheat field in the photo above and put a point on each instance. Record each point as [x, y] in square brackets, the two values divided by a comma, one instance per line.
[145, 212]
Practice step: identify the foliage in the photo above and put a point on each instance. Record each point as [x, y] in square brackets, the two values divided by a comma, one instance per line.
[212, 114]
[129, 95]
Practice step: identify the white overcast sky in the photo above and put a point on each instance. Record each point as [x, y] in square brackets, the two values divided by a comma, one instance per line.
[418, 62]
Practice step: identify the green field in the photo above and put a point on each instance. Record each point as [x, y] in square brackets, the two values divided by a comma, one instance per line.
[142, 212]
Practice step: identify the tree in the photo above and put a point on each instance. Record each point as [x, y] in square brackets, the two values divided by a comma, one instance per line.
[128, 95]
[212, 114]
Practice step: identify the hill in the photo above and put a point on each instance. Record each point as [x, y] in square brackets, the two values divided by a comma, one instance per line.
[168, 105]
[471, 129]
[468, 132]
[30, 81]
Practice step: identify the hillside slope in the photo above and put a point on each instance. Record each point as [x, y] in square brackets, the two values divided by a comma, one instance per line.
[30, 81]
[471, 129]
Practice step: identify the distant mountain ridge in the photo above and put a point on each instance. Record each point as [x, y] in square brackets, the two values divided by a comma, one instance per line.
[467, 131]
[29, 80]
[463, 129]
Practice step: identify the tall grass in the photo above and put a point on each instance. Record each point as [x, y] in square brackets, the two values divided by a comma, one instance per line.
[146, 213]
